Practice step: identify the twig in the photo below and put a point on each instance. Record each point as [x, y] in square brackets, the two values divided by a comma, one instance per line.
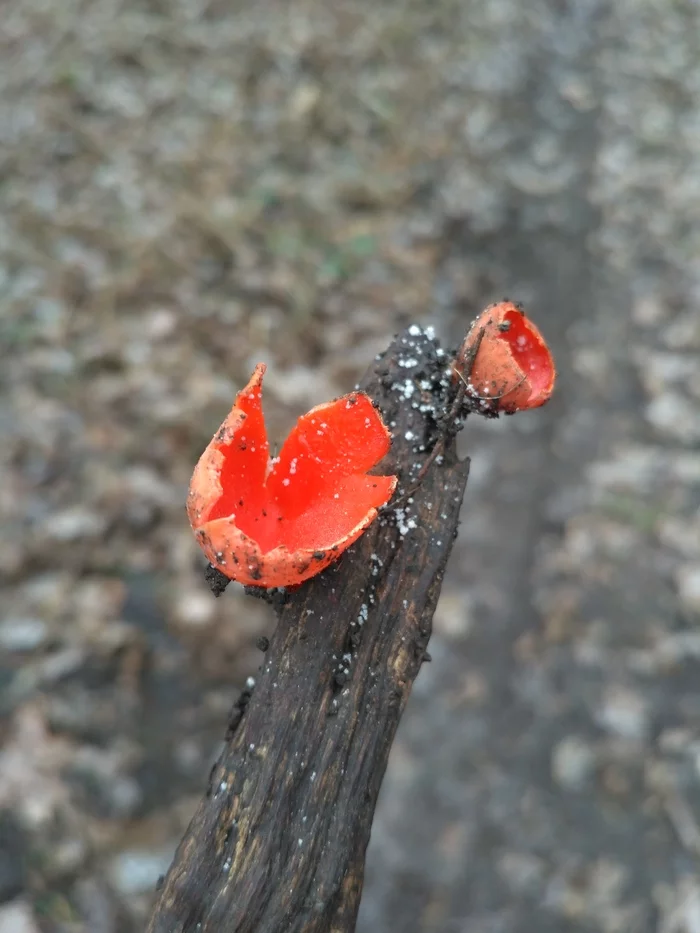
[278, 842]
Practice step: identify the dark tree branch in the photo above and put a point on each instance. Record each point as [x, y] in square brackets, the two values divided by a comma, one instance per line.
[278, 843]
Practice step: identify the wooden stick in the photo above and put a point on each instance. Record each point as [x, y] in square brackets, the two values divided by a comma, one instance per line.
[278, 842]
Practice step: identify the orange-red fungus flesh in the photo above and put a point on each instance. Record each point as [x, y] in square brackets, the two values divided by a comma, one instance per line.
[277, 523]
[529, 350]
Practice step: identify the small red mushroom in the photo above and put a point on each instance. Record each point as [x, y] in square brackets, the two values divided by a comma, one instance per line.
[513, 369]
[274, 523]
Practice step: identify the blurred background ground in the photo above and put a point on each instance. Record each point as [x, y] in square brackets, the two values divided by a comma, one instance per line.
[190, 186]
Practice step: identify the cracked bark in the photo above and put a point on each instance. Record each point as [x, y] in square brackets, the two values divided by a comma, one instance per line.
[278, 842]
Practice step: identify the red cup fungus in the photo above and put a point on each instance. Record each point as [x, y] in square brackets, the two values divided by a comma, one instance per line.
[275, 523]
[513, 369]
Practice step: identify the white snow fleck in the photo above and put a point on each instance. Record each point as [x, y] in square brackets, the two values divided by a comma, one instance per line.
[406, 388]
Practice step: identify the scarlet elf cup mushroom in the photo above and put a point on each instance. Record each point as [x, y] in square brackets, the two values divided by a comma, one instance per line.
[277, 522]
[513, 369]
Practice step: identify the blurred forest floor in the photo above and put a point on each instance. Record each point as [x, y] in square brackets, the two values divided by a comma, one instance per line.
[190, 186]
